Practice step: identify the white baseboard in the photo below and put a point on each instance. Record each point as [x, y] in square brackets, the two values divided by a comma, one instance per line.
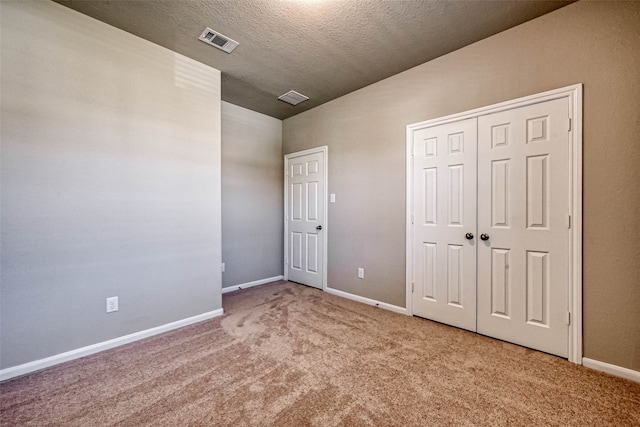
[250, 284]
[368, 301]
[618, 371]
[36, 365]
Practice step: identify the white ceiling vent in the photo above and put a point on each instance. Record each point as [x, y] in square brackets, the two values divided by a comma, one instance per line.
[292, 97]
[216, 39]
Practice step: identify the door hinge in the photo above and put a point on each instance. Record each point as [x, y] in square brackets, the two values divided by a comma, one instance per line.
[569, 124]
[569, 221]
[412, 287]
[568, 317]
[413, 148]
[411, 218]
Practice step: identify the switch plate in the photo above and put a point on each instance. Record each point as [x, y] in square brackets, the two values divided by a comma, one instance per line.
[112, 304]
[360, 273]
[332, 198]
[223, 267]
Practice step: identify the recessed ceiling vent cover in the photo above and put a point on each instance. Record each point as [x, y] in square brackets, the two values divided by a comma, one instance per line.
[216, 39]
[292, 97]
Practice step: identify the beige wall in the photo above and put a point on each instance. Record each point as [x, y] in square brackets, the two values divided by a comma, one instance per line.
[252, 196]
[594, 43]
[110, 183]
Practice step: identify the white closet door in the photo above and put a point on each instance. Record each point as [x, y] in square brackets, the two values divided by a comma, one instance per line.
[523, 209]
[444, 264]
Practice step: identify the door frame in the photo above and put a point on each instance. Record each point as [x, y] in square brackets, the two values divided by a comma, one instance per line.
[325, 153]
[574, 95]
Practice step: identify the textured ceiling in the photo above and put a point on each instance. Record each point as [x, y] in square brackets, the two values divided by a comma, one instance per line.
[320, 48]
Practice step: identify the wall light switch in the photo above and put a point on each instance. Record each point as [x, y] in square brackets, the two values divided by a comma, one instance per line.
[332, 198]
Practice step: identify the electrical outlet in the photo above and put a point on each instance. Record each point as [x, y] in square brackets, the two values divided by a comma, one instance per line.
[360, 273]
[112, 304]
[223, 267]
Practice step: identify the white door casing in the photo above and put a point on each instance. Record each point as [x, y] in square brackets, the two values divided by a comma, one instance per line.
[444, 260]
[305, 217]
[523, 209]
[526, 174]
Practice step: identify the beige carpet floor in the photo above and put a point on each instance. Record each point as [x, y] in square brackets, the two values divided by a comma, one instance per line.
[288, 355]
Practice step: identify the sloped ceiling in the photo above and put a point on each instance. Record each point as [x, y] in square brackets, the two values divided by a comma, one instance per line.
[321, 48]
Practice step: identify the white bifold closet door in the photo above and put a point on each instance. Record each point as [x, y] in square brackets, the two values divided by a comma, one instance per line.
[505, 276]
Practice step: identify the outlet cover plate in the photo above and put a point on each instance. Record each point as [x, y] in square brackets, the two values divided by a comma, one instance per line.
[112, 304]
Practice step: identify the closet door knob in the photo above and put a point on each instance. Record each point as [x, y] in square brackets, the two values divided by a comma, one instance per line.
[484, 236]
[469, 236]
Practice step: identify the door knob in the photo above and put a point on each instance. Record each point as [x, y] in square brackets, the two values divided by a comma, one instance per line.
[319, 227]
[484, 236]
[469, 236]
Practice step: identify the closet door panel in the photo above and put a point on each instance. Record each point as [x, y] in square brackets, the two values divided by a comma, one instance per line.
[523, 208]
[444, 205]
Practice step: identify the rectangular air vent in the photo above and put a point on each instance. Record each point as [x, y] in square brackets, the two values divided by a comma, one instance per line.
[216, 39]
[292, 97]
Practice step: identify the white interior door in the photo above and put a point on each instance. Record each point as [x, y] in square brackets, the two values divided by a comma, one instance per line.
[523, 211]
[305, 218]
[519, 292]
[444, 255]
